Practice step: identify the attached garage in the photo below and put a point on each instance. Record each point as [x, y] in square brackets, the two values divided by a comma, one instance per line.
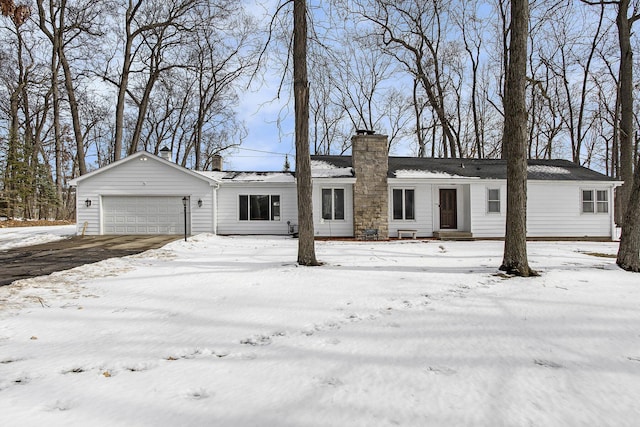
[142, 215]
[142, 194]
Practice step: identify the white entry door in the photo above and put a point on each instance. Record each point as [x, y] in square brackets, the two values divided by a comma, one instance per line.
[143, 215]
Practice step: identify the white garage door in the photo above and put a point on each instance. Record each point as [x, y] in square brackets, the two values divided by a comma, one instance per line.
[142, 215]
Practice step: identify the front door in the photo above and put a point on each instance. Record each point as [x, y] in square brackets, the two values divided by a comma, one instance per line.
[448, 209]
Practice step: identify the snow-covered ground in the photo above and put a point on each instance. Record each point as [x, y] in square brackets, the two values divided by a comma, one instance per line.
[27, 236]
[228, 331]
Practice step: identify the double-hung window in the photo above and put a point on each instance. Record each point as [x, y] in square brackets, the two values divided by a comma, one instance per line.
[595, 201]
[404, 204]
[332, 203]
[259, 207]
[493, 200]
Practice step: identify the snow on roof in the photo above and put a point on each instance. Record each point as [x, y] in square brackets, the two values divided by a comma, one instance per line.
[546, 169]
[322, 169]
[235, 176]
[259, 177]
[412, 173]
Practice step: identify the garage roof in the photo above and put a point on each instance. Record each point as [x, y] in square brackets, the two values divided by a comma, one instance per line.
[137, 155]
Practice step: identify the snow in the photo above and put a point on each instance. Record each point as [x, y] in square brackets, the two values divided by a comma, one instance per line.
[250, 176]
[27, 236]
[553, 170]
[321, 169]
[408, 173]
[230, 331]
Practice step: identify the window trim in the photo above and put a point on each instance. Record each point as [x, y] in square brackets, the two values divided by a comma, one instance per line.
[599, 207]
[272, 204]
[489, 200]
[332, 206]
[404, 203]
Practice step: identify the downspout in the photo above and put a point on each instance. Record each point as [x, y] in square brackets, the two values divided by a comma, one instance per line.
[612, 220]
[214, 209]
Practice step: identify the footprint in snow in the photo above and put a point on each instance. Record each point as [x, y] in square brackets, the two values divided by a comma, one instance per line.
[257, 340]
[547, 363]
[58, 405]
[330, 382]
[195, 394]
[441, 370]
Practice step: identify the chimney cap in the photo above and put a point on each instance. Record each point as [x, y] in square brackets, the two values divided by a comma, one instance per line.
[365, 132]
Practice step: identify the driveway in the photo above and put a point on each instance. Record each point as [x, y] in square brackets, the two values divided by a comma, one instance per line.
[40, 260]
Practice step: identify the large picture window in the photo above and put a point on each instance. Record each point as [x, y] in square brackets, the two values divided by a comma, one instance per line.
[404, 204]
[595, 201]
[259, 207]
[332, 203]
[493, 200]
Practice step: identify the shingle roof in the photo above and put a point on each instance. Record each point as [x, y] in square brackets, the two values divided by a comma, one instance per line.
[415, 167]
[237, 176]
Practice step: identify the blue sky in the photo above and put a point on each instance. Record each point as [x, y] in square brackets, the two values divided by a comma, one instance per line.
[269, 123]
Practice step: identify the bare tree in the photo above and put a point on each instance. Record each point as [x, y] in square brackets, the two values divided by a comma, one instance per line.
[306, 236]
[472, 28]
[142, 18]
[515, 142]
[629, 250]
[412, 31]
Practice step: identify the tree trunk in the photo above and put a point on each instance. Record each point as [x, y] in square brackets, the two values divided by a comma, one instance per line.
[75, 114]
[626, 106]
[306, 244]
[515, 142]
[629, 249]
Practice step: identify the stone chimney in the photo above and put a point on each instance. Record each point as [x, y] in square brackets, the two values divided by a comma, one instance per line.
[165, 153]
[370, 159]
[216, 162]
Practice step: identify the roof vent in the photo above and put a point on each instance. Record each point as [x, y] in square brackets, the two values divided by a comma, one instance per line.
[165, 153]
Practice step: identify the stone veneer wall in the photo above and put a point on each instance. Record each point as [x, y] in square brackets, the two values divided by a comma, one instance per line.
[370, 192]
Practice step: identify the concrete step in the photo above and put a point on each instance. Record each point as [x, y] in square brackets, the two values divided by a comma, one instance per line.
[453, 235]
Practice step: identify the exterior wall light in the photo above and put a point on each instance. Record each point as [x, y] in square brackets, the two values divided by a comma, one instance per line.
[199, 203]
[87, 203]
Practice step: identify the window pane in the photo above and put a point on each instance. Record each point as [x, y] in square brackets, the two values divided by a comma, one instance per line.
[493, 200]
[588, 205]
[603, 202]
[603, 207]
[338, 203]
[275, 208]
[602, 195]
[259, 208]
[409, 212]
[326, 203]
[397, 204]
[244, 208]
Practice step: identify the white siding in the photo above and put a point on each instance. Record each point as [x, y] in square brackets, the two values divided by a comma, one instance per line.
[228, 208]
[483, 223]
[332, 228]
[424, 210]
[137, 177]
[554, 210]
